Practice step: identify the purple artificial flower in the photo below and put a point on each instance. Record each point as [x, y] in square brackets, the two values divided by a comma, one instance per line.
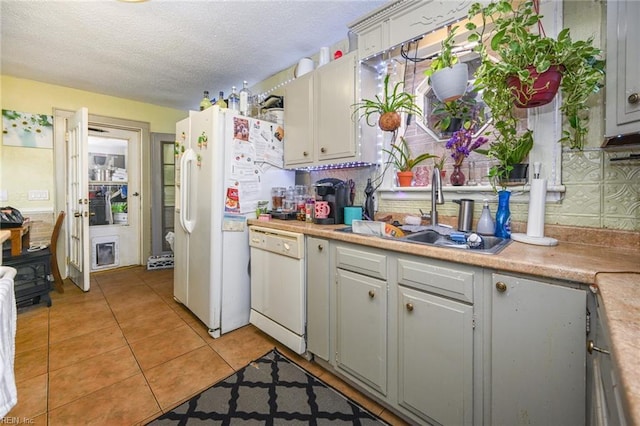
[461, 145]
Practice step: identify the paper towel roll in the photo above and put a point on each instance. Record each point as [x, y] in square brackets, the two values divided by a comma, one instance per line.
[537, 199]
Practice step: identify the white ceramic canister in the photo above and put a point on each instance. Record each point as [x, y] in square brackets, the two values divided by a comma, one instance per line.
[304, 66]
[324, 56]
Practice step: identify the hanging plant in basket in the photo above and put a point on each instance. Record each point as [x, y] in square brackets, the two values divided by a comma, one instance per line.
[387, 108]
[447, 76]
[524, 53]
[543, 89]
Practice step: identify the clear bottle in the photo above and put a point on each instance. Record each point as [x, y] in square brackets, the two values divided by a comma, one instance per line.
[234, 100]
[485, 223]
[221, 102]
[245, 98]
[503, 215]
[310, 210]
[205, 102]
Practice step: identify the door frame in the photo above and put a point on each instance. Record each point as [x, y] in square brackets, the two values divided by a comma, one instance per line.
[157, 209]
[60, 166]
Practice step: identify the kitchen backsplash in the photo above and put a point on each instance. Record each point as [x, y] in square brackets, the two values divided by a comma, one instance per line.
[599, 193]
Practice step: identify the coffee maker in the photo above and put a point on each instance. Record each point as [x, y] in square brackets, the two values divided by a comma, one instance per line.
[337, 193]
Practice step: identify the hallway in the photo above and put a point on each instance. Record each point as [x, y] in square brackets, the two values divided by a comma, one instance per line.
[124, 352]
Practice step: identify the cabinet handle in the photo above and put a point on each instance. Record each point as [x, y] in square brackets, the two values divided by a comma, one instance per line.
[77, 214]
[306, 154]
[410, 307]
[372, 294]
[320, 247]
[633, 98]
[501, 287]
[323, 150]
[592, 347]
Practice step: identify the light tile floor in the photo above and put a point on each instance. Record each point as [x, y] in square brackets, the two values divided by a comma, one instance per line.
[126, 351]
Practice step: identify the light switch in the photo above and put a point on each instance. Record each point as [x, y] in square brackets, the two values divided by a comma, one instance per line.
[3, 195]
[38, 195]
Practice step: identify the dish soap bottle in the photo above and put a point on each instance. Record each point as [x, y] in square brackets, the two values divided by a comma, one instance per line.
[485, 223]
[503, 215]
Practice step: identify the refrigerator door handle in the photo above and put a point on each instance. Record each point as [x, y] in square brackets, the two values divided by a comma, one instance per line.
[187, 213]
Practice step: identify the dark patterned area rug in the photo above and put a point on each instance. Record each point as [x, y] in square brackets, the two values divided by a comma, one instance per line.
[269, 391]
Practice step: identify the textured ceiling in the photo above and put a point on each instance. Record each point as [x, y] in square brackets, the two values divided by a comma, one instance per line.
[167, 52]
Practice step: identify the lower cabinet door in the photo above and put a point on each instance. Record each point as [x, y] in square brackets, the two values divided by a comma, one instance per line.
[318, 289]
[538, 353]
[362, 329]
[435, 357]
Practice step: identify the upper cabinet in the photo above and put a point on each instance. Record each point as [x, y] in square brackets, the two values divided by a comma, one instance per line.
[318, 115]
[623, 67]
[404, 20]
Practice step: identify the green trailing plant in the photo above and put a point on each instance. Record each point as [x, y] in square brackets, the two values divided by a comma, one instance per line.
[446, 57]
[510, 151]
[461, 109]
[516, 46]
[400, 156]
[389, 106]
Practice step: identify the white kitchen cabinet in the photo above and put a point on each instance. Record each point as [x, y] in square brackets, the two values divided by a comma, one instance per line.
[362, 328]
[318, 117]
[298, 118]
[335, 130]
[538, 352]
[604, 399]
[318, 294]
[435, 339]
[373, 40]
[401, 21]
[361, 316]
[435, 357]
[623, 68]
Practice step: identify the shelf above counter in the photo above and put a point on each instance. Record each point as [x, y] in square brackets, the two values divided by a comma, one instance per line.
[520, 193]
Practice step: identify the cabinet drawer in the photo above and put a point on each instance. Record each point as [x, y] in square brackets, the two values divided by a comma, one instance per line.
[455, 281]
[363, 262]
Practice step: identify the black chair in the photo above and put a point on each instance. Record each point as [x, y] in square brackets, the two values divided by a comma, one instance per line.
[36, 270]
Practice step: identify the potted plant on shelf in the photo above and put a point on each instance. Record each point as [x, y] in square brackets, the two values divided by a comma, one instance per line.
[452, 116]
[388, 107]
[523, 55]
[447, 76]
[510, 149]
[401, 157]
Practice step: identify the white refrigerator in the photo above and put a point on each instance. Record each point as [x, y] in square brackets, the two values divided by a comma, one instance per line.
[225, 164]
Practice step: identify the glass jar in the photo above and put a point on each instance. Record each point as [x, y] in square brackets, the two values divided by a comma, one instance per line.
[277, 196]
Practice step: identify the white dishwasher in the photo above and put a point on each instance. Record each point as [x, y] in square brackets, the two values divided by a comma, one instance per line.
[278, 285]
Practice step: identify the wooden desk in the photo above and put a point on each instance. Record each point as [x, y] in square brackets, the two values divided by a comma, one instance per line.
[19, 237]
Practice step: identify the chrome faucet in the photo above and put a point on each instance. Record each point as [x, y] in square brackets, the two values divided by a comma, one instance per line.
[436, 196]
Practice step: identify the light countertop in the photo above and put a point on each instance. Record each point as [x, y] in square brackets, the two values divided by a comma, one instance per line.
[615, 271]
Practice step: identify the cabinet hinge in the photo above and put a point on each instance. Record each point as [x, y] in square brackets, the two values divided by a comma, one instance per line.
[66, 136]
[588, 322]
[473, 322]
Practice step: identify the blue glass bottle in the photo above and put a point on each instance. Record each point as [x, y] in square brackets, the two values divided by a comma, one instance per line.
[503, 215]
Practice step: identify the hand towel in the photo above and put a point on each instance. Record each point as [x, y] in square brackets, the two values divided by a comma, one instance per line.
[8, 318]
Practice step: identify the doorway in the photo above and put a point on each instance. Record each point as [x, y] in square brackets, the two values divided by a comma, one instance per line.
[114, 197]
[126, 238]
[163, 192]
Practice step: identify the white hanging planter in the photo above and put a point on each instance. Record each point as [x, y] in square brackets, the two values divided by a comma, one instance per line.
[450, 83]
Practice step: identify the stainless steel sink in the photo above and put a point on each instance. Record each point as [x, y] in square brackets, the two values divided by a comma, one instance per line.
[424, 237]
[489, 245]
